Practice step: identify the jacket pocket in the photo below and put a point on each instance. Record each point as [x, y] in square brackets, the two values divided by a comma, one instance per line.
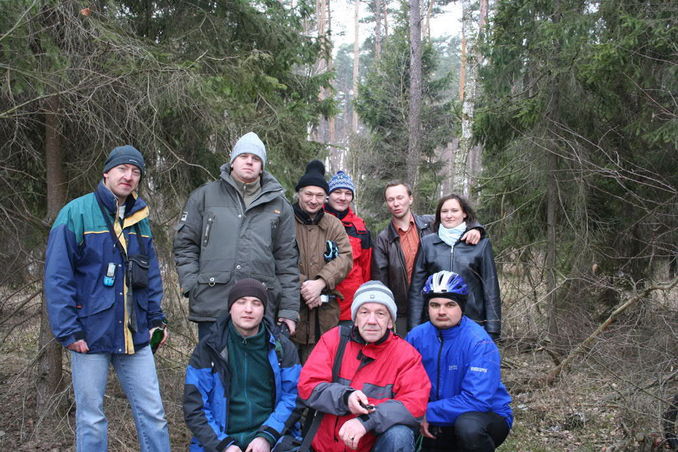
[208, 229]
[98, 302]
[210, 295]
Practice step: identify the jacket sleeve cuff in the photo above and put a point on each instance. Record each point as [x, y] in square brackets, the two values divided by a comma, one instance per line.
[288, 314]
[367, 422]
[225, 443]
[346, 395]
[269, 435]
[187, 285]
[75, 337]
[157, 322]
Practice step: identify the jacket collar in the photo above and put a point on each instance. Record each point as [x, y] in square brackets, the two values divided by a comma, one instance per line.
[419, 221]
[349, 219]
[270, 187]
[451, 333]
[133, 204]
[344, 216]
[217, 339]
[304, 218]
[356, 337]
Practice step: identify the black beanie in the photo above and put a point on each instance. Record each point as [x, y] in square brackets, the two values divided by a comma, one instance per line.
[248, 287]
[457, 298]
[314, 176]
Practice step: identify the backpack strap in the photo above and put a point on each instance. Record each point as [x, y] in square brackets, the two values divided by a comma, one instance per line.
[317, 417]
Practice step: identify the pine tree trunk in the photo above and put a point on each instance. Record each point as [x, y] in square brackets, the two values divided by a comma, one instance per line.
[356, 62]
[49, 374]
[552, 203]
[378, 27]
[414, 144]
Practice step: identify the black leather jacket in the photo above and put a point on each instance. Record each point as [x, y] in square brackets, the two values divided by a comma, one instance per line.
[475, 264]
[388, 261]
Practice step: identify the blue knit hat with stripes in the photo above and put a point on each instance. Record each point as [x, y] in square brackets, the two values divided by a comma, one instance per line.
[341, 180]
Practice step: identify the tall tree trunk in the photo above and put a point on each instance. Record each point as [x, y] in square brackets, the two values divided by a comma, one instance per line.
[356, 61]
[462, 65]
[330, 67]
[467, 158]
[414, 144]
[319, 133]
[427, 22]
[378, 27]
[49, 375]
[552, 199]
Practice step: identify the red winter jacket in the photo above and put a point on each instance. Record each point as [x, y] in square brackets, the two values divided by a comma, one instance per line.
[361, 247]
[389, 372]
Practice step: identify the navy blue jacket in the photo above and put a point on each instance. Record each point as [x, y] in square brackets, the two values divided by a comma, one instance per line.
[79, 249]
[463, 365]
[207, 388]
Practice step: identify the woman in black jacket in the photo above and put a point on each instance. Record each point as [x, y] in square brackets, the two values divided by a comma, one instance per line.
[475, 263]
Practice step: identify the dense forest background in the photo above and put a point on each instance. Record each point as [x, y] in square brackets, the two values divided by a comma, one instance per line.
[557, 118]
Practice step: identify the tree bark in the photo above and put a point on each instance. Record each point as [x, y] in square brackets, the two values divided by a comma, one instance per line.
[356, 61]
[552, 203]
[378, 27]
[467, 159]
[427, 22]
[49, 373]
[414, 144]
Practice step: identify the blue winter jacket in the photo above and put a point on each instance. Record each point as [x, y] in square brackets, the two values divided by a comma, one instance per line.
[207, 387]
[463, 365]
[79, 250]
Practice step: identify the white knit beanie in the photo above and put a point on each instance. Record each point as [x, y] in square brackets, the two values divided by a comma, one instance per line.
[374, 292]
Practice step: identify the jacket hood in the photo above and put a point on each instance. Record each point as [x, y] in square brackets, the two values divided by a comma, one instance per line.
[268, 182]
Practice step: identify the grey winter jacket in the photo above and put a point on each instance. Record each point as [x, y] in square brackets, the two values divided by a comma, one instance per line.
[219, 241]
[475, 263]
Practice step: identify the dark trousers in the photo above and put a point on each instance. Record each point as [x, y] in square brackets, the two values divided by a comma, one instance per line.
[203, 329]
[472, 432]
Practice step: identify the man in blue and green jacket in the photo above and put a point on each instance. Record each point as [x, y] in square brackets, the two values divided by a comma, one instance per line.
[97, 312]
[241, 381]
[469, 407]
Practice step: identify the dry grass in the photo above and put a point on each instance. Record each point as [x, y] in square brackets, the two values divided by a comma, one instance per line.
[610, 400]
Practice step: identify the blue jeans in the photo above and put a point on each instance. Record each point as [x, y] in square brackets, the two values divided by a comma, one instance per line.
[399, 438]
[138, 379]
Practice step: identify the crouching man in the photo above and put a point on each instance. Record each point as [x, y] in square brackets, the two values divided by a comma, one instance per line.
[469, 406]
[241, 381]
[379, 390]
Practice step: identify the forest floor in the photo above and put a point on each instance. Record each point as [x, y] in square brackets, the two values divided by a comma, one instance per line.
[582, 411]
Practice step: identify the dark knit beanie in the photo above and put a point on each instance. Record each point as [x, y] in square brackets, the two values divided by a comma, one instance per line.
[248, 287]
[457, 298]
[314, 176]
[125, 155]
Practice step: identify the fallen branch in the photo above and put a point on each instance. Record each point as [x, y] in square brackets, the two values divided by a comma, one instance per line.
[556, 371]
